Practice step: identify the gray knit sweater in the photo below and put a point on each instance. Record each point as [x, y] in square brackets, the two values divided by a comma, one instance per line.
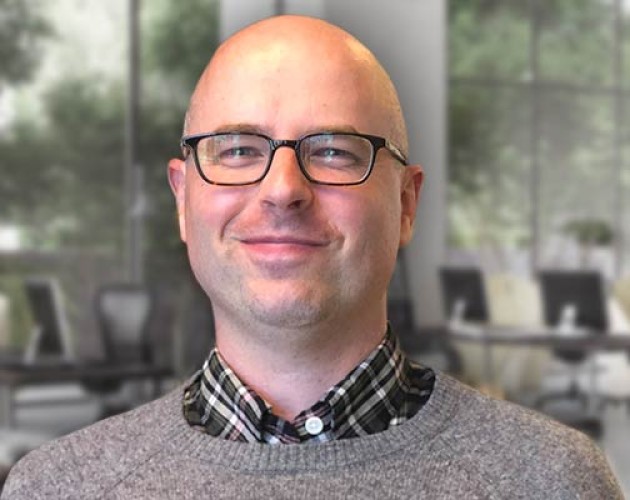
[461, 445]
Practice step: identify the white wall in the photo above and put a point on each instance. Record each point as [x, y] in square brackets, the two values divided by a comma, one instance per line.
[236, 14]
[409, 38]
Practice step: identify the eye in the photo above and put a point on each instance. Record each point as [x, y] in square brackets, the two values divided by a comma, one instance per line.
[239, 152]
[332, 153]
[337, 152]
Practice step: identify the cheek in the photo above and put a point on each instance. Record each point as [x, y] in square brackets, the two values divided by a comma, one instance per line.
[372, 227]
[208, 211]
[371, 251]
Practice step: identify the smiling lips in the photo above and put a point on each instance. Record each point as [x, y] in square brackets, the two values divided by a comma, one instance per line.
[283, 240]
[281, 246]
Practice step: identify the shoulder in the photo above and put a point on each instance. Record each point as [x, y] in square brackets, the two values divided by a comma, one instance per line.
[104, 452]
[516, 448]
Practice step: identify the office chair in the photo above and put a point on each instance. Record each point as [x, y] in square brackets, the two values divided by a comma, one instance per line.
[506, 304]
[123, 313]
[463, 294]
[573, 300]
[424, 345]
[465, 304]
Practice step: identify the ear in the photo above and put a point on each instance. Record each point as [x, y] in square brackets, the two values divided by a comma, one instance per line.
[177, 181]
[413, 177]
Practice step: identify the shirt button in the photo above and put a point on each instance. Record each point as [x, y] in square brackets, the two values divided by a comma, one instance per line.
[314, 425]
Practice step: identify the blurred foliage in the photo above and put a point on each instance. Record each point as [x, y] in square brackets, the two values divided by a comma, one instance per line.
[493, 39]
[63, 174]
[576, 41]
[22, 31]
[67, 165]
[180, 37]
[495, 136]
[178, 40]
[590, 231]
[489, 172]
[489, 38]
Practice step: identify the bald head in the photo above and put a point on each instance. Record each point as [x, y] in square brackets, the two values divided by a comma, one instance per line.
[285, 256]
[282, 53]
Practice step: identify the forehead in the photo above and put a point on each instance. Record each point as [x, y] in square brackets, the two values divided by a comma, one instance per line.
[285, 88]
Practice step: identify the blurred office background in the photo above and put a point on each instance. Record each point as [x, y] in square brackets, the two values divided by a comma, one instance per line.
[518, 110]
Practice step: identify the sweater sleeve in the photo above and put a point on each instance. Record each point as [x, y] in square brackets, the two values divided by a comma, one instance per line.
[90, 462]
[41, 475]
[520, 453]
[586, 472]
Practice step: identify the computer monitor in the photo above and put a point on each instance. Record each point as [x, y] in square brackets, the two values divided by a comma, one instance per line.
[578, 296]
[463, 294]
[50, 339]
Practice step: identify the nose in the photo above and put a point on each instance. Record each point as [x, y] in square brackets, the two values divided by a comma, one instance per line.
[285, 187]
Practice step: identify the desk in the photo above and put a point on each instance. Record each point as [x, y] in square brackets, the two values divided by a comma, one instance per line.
[14, 376]
[542, 337]
[490, 335]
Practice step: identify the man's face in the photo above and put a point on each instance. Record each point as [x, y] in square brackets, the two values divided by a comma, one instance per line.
[286, 252]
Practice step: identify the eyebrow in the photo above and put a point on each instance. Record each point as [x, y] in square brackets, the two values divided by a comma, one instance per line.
[256, 129]
[239, 127]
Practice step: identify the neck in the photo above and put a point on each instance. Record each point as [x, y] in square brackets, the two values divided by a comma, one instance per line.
[291, 369]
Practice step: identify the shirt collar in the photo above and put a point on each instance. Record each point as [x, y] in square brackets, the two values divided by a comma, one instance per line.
[381, 391]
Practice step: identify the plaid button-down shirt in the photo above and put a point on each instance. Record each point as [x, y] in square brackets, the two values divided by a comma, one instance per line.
[382, 391]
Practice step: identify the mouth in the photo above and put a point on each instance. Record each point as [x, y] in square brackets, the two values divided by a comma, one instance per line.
[282, 247]
[283, 241]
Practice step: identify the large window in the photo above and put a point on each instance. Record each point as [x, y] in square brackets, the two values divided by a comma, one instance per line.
[539, 161]
[83, 83]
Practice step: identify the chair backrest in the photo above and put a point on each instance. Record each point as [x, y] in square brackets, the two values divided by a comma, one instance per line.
[464, 294]
[579, 295]
[51, 337]
[124, 312]
[581, 290]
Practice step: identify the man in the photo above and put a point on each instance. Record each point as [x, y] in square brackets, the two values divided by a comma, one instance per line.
[294, 197]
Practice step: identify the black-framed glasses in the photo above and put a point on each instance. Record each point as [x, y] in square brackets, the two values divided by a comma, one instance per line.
[239, 158]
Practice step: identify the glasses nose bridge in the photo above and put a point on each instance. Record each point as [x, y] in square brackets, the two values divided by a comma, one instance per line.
[285, 143]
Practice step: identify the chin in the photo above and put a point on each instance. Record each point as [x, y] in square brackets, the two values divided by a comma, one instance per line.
[293, 312]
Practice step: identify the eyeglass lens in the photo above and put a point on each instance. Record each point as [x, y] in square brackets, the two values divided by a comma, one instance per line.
[242, 158]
